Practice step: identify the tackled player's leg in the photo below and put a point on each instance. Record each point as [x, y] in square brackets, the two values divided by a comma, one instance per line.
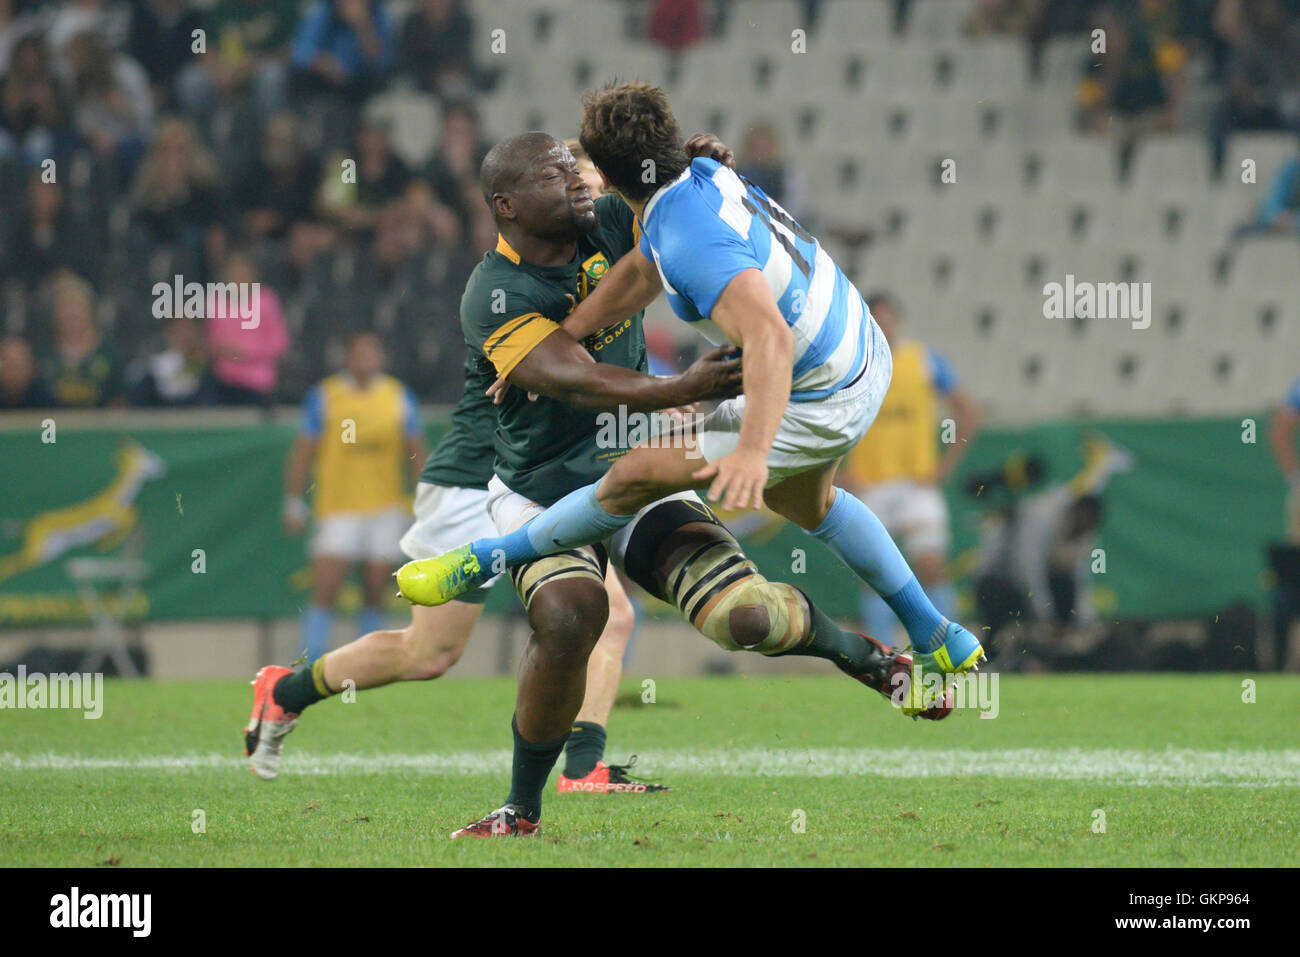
[679, 551]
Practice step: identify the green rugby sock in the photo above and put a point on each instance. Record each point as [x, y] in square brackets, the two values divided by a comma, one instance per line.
[532, 766]
[304, 686]
[851, 653]
[586, 746]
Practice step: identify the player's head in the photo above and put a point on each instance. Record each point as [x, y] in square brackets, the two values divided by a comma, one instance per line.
[631, 135]
[884, 309]
[590, 175]
[365, 356]
[532, 182]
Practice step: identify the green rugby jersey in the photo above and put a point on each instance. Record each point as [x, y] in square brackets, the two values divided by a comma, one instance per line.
[546, 449]
[463, 457]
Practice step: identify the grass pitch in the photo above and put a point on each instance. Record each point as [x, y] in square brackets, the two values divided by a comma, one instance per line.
[801, 771]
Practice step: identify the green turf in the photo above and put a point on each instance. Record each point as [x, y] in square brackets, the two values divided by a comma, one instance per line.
[90, 816]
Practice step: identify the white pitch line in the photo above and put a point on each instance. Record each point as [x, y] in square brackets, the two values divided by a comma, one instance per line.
[1172, 766]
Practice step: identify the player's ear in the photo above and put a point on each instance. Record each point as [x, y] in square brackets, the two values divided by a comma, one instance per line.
[503, 206]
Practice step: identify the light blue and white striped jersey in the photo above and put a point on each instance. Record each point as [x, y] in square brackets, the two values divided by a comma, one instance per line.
[709, 224]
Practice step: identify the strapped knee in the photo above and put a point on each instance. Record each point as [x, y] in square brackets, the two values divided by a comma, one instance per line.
[756, 615]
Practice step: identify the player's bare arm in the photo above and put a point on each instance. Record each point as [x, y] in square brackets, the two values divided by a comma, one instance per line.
[630, 286]
[747, 313]
[1285, 425]
[295, 483]
[417, 450]
[966, 422]
[559, 368]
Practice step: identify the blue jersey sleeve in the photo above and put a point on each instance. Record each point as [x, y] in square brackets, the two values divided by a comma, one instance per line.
[1292, 400]
[411, 426]
[312, 414]
[942, 374]
[701, 253]
[309, 40]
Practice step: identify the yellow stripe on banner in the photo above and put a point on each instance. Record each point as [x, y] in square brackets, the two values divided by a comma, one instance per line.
[509, 344]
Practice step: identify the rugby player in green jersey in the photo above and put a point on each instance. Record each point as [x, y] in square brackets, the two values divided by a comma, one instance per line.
[555, 244]
[451, 506]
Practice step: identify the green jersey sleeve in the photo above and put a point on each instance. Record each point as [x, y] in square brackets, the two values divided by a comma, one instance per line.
[500, 320]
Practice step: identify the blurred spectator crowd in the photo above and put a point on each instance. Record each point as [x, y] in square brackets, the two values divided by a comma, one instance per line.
[273, 141]
[229, 141]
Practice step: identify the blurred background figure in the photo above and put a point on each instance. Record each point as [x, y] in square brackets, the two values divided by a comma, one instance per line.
[361, 439]
[177, 197]
[162, 42]
[180, 374]
[20, 385]
[434, 49]
[763, 164]
[276, 194]
[1036, 555]
[246, 353]
[112, 108]
[1262, 69]
[1285, 428]
[1284, 557]
[344, 48]
[1138, 82]
[1279, 211]
[33, 109]
[47, 238]
[82, 370]
[453, 170]
[898, 471]
[247, 55]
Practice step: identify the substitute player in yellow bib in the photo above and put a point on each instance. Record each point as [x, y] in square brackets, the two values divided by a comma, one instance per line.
[898, 470]
[361, 441]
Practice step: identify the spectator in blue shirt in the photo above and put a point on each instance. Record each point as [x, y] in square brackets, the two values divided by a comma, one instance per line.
[1280, 210]
[343, 46]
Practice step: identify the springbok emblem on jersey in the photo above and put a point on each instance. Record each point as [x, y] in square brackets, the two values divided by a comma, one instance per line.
[104, 519]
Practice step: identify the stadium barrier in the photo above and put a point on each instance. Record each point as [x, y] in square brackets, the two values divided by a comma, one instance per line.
[197, 497]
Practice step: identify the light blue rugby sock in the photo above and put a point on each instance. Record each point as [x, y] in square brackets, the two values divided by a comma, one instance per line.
[856, 535]
[575, 520]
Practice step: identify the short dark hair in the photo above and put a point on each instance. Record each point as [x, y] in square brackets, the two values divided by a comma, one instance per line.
[626, 125]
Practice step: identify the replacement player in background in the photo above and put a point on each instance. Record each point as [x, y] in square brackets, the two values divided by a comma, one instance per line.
[898, 472]
[360, 433]
[1285, 427]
